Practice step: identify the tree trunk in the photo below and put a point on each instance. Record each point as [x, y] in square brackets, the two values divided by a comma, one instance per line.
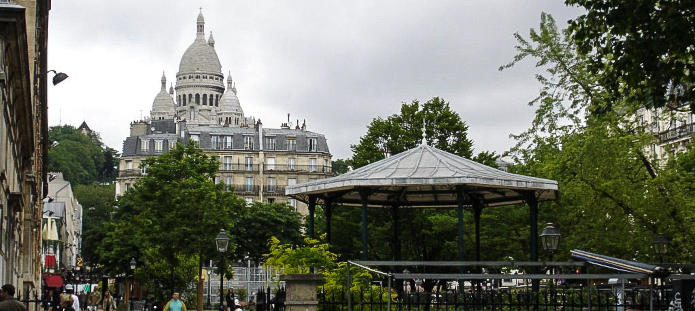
[199, 296]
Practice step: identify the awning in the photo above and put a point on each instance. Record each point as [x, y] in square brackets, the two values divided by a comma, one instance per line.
[615, 263]
[53, 280]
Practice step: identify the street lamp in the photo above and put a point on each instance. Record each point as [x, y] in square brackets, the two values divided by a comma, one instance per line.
[550, 239]
[133, 264]
[221, 241]
[660, 246]
[59, 76]
[209, 272]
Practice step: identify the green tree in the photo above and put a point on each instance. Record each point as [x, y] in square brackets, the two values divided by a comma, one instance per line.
[83, 159]
[341, 166]
[614, 198]
[98, 206]
[641, 50]
[259, 222]
[170, 219]
[445, 130]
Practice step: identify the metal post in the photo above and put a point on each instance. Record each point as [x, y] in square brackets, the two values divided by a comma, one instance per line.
[533, 223]
[388, 302]
[248, 280]
[349, 285]
[396, 252]
[312, 209]
[364, 196]
[221, 278]
[328, 210]
[651, 294]
[459, 201]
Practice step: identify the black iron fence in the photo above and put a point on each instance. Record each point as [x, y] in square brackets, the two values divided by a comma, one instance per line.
[556, 298]
[266, 300]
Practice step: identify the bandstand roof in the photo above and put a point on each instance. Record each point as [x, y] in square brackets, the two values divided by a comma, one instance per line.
[426, 177]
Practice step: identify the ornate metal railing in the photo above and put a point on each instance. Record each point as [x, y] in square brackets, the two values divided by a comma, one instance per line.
[297, 168]
[677, 133]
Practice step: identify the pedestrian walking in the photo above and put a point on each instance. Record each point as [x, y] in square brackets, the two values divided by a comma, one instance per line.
[9, 303]
[175, 304]
[230, 299]
[93, 300]
[82, 297]
[107, 302]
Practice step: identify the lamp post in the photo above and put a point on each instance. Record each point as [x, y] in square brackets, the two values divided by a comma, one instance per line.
[660, 246]
[209, 292]
[221, 241]
[133, 264]
[550, 239]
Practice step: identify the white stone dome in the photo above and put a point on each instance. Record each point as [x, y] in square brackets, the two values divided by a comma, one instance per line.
[163, 102]
[200, 55]
[229, 102]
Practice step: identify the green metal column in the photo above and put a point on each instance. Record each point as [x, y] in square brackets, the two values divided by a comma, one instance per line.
[328, 210]
[364, 196]
[312, 210]
[459, 201]
[533, 238]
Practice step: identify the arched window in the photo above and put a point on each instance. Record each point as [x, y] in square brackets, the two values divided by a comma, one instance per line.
[205, 99]
[211, 99]
[178, 100]
[197, 99]
[190, 99]
[236, 121]
[184, 99]
[217, 100]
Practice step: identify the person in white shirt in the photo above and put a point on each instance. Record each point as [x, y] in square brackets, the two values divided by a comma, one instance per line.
[75, 300]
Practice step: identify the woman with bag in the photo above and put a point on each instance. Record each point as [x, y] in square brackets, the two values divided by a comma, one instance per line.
[107, 303]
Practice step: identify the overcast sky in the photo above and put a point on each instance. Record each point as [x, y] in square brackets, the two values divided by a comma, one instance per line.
[337, 64]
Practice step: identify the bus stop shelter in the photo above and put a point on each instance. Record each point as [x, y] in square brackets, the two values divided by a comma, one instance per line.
[426, 177]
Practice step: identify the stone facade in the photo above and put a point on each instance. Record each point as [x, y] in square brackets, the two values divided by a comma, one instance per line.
[255, 162]
[672, 128]
[23, 141]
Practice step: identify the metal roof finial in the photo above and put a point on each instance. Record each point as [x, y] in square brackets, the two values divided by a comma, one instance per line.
[424, 136]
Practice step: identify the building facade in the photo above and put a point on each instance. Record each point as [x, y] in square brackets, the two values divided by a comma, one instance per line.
[62, 224]
[23, 141]
[255, 162]
[673, 129]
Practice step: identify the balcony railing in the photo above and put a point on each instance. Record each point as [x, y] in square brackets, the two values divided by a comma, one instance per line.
[297, 168]
[273, 190]
[677, 133]
[129, 173]
[239, 167]
[244, 189]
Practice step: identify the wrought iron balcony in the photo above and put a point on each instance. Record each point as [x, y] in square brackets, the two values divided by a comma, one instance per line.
[226, 167]
[129, 173]
[676, 133]
[273, 190]
[297, 168]
[244, 189]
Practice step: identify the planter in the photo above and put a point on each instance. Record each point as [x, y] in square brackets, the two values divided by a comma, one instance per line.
[300, 292]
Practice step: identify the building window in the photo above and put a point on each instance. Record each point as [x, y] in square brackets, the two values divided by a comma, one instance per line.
[197, 99]
[270, 143]
[144, 145]
[292, 182]
[248, 142]
[270, 163]
[172, 144]
[312, 144]
[292, 203]
[292, 164]
[228, 163]
[214, 142]
[205, 99]
[129, 164]
[249, 200]
[271, 184]
[291, 144]
[143, 169]
[249, 184]
[228, 142]
[178, 100]
[127, 186]
[211, 100]
[326, 165]
[158, 145]
[217, 100]
[312, 165]
[195, 138]
[228, 183]
[249, 164]
[184, 99]
[190, 98]
[271, 200]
